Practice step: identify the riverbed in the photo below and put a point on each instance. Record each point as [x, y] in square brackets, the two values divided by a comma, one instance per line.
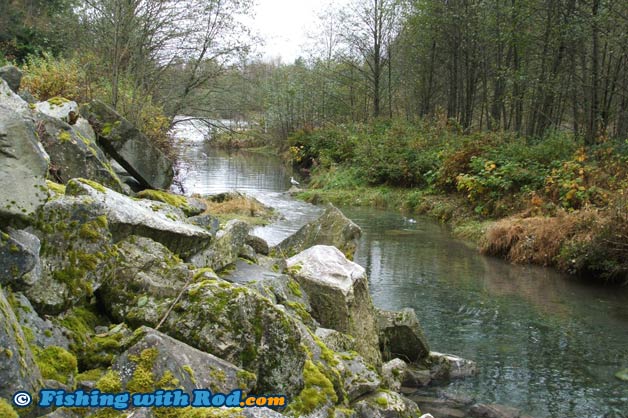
[544, 343]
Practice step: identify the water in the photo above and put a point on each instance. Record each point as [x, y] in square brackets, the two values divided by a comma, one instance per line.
[544, 343]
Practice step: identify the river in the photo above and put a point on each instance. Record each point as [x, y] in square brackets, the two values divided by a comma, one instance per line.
[544, 343]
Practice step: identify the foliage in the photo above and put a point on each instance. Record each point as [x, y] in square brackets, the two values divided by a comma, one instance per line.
[47, 76]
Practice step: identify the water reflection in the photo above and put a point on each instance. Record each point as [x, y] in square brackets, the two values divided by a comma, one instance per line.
[544, 344]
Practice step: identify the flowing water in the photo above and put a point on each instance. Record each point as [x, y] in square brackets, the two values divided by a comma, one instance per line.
[544, 343]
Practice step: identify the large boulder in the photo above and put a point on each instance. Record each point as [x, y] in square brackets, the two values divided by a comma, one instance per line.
[232, 322]
[19, 257]
[77, 253]
[448, 366]
[59, 108]
[131, 148]
[12, 101]
[401, 336]
[173, 363]
[23, 166]
[18, 370]
[226, 248]
[73, 155]
[126, 216]
[12, 75]
[386, 404]
[339, 295]
[331, 228]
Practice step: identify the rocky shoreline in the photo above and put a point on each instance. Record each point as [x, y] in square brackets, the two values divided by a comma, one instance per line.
[105, 288]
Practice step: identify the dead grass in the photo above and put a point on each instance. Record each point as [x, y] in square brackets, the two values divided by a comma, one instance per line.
[229, 206]
[538, 239]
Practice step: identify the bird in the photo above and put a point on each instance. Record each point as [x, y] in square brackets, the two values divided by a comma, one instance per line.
[293, 181]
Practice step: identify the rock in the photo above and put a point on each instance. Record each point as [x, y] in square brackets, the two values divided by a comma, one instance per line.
[11, 101]
[173, 363]
[331, 228]
[45, 332]
[449, 366]
[335, 340]
[77, 253]
[416, 377]
[18, 370]
[189, 205]
[495, 411]
[73, 155]
[357, 377]
[386, 405]
[12, 75]
[394, 373]
[83, 128]
[23, 166]
[231, 322]
[401, 336]
[206, 221]
[62, 413]
[225, 249]
[127, 145]
[339, 295]
[259, 245]
[19, 257]
[59, 108]
[622, 375]
[126, 216]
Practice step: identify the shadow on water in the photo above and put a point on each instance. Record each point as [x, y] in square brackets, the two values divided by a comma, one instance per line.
[544, 343]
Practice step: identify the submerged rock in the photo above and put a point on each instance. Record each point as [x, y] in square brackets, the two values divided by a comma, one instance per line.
[23, 166]
[18, 370]
[449, 366]
[73, 155]
[331, 228]
[401, 336]
[157, 361]
[339, 295]
[127, 145]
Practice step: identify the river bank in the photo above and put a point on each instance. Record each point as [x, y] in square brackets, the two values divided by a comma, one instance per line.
[549, 202]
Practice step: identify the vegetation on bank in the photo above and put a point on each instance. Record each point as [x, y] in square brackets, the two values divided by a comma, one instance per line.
[551, 201]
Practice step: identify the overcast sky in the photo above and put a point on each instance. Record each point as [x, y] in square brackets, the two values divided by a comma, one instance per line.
[284, 25]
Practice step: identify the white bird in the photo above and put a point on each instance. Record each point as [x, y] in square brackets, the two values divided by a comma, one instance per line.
[293, 181]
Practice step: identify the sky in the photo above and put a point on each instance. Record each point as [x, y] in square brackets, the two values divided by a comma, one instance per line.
[285, 24]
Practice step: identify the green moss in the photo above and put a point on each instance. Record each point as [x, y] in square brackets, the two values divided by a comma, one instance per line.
[93, 185]
[143, 379]
[317, 391]
[56, 187]
[58, 101]
[177, 201]
[92, 375]
[56, 363]
[188, 369]
[244, 378]
[300, 310]
[110, 382]
[201, 272]
[381, 401]
[64, 136]
[294, 287]
[6, 410]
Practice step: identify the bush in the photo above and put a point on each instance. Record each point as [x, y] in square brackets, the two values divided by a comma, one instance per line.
[46, 77]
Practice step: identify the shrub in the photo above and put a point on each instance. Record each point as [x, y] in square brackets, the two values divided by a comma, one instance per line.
[46, 77]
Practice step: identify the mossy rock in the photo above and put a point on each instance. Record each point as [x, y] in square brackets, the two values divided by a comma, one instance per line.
[189, 206]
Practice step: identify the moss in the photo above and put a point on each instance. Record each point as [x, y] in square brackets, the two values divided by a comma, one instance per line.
[300, 310]
[177, 201]
[143, 379]
[58, 101]
[201, 272]
[92, 230]
[64, 136]
[92, 375]
[294, 287]
[56, 363]
[56, 187]
[6, 410]
[110, 382]
[381, 401]
[317, 391]
[93, 185]
[188, 369]
[244, 377]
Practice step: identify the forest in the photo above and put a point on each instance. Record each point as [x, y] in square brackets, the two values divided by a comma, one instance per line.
[506, 118]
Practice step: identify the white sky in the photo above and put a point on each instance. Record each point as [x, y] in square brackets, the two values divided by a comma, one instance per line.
[285, 24]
